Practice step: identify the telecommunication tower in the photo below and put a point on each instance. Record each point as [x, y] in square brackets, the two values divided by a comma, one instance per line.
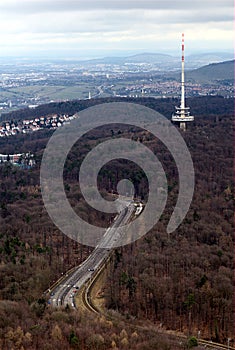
[182, 113]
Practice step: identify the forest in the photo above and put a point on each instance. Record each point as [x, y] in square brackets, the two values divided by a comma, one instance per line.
[181, 281]
[203, 106]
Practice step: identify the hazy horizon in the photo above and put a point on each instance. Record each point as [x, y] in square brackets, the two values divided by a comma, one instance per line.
[92, 28]
[113, 54]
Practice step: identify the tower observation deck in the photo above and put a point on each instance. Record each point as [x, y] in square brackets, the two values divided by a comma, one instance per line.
[182, 113]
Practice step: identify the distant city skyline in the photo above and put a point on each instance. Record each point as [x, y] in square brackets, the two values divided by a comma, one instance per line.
[98, 28]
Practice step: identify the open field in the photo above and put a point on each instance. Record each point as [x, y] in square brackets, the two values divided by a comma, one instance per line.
[47, 92]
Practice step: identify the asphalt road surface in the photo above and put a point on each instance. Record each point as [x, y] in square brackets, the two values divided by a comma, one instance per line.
[64, 292]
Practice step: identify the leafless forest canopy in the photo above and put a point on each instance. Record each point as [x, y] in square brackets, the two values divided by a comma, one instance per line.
[182, 281]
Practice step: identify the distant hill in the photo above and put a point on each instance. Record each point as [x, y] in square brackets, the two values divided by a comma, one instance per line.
[211, 57]
[138, 58]
[164, 61]
[149, 58]
[212, 72]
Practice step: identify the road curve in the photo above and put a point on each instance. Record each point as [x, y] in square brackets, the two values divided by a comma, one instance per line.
[64, 293]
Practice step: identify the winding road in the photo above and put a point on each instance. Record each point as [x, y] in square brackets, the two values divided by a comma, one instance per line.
[64, 292]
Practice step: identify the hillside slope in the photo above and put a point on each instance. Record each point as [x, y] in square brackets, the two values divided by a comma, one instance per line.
[212, 72]
[183, 282]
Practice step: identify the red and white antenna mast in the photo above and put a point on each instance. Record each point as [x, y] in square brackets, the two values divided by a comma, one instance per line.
[182, 113]
[182, 76]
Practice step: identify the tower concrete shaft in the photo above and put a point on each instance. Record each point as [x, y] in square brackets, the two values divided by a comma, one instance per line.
[182, 113]
[182, 77]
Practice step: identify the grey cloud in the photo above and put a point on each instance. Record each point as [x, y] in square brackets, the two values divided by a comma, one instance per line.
[116, 21]
[112, 25]
[119, 21]
[30, 6]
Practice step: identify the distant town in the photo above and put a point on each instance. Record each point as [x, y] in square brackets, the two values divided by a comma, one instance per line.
[29, 84]
[11, 128]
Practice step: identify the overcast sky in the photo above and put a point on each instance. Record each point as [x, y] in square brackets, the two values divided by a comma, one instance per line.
[97, 28]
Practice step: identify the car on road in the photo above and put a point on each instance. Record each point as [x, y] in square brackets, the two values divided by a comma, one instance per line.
[91, 269]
